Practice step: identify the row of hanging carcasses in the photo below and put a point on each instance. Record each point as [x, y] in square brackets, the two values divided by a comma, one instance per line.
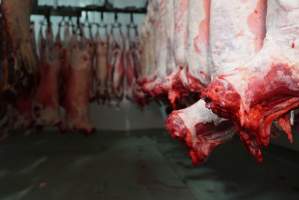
[77, 65]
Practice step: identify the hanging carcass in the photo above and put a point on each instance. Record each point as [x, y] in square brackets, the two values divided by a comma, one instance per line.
[19, 57]
[261, 87]
[78, 84]
[101, 64]
[47, 107]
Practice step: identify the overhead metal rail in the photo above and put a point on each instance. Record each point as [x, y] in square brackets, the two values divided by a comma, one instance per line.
[77, 11]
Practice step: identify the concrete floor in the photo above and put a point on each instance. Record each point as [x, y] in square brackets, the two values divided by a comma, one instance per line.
[141, 165]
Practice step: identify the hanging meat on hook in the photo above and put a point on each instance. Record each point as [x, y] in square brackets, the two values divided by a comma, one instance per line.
[131, 61]
[78, 85]
[201, 129]
[18, 106]
[145, 65]
[167, 79]
[65, 57]
[156, 26]
[116, 64]
[20, 51]
[240, 45]
[101, 65]
[90, 40]
[46, 108]
[263, 88]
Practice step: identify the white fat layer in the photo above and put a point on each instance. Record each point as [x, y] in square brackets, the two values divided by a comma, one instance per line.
[289, 4]
[280, 47]
[197, 50]
[180, 37]
[198, 113]
[232, 42]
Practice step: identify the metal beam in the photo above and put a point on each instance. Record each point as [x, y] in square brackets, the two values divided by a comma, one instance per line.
[76, 11]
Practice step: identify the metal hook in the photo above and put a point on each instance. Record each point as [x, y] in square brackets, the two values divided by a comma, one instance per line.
[78, 20]
[102, 16]
[115, 17]
[136, 30]
[102, 24]
[86, 17]
[132, 18]
[62, 22]
[47, 17]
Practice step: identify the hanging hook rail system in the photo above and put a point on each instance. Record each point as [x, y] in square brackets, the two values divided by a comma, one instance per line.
[77, 11]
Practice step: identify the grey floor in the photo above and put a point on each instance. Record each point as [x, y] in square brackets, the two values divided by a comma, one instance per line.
[141, 165]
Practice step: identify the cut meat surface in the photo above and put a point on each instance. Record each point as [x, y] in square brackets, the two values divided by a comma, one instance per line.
[234, 41]
[201, 129]
[265, 87]
[197, 125]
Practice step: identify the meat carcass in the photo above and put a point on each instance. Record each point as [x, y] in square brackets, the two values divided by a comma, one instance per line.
[47, 107]
[156, 50]
[130, 72]
[16, 15]
[78, 84]
[132, 63]
[101, 67]
[197, 125]
[140, 55]
[67, 44]
[168, 75]
[147, 67]
[263, 87]
[118, 66]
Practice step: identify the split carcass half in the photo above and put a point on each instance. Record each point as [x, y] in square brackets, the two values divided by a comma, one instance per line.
[117, 64]
[201, 129]
[137, 60]
[177, 50]
[264, 86]
[101, 66]
[65, 58]
[20, 54]
[47, 107]
[166, 49]
[133, 65]
[78, 85]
